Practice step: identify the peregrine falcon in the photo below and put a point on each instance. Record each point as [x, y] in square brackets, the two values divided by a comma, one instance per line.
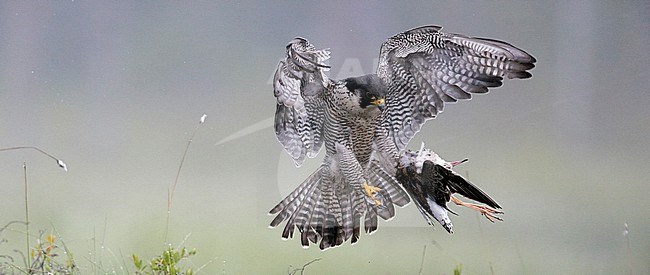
[366, 122]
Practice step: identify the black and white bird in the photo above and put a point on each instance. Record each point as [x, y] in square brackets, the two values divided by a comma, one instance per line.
[432, 183]
[366, 123]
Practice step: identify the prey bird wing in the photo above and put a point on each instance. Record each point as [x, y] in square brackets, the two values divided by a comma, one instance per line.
[459, 185]
[425, 69]
[298, 87]
[432, 183]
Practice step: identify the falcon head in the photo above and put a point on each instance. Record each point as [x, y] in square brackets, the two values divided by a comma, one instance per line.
[370, 90]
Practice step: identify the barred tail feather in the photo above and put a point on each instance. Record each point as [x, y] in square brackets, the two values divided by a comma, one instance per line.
[288, 204]
[393, 190]
[328, 207]
[301, 213]
[318, 212]
[347, 222]
[370, 222]
[311, 232]
[358, 203]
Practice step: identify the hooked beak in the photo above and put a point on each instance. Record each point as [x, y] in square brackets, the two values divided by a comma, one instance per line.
[380, 103]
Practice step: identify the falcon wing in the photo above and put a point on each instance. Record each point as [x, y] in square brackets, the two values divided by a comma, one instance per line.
[298, 86]
[425, 68]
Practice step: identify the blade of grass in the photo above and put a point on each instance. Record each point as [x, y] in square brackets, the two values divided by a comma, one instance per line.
[521, 260]
[73, 266]
[26, 217]
[302, 269]
[485, 245]
[59, 162]
[172, 188]
[424, 252]
[487, 249]
[626, 233]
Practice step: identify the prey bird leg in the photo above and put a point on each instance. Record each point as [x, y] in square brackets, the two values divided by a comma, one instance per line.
[489, 212]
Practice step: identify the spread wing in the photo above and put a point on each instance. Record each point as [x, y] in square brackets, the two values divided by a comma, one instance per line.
[424, 69]
[298, 86]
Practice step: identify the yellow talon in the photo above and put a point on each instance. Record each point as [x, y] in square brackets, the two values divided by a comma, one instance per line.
[371, 191]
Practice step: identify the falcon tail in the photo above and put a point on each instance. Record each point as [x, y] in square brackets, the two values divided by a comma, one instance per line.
[331, 217]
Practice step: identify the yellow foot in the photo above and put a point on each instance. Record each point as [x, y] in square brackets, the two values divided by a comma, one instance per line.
[489, 212]
[371, 191]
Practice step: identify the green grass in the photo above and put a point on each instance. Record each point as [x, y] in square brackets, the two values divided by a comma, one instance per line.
[169, 262]
[49, 255]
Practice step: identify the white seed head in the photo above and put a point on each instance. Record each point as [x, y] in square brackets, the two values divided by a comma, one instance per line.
[62, 164]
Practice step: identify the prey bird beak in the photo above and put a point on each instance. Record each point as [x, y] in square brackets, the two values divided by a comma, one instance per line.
[458, 162]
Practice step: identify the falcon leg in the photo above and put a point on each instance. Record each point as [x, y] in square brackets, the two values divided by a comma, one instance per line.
[488, 212]
[371, 191]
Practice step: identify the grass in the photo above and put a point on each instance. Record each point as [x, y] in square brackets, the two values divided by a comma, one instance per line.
[172, 188]
[169, 262]
[302, 269]
[59, 162]
[50, 255]
[628, 256]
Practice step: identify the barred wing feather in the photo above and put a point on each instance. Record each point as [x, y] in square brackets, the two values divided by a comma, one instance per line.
[298, 85]
[425, 69]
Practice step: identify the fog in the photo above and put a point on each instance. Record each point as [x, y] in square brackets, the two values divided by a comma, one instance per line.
[116, 89]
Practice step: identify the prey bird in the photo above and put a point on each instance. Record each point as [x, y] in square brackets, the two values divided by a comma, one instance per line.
[431, 182]
[366, 122]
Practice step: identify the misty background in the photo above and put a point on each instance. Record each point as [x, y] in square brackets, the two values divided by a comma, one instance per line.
[116, 88]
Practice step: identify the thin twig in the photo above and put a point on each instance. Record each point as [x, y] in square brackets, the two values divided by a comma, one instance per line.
[59, 162]
[68, 253]
[626, 233]
[8, 224]
[293, 272]
[26, 215]
[487, 249]
[181, 244]
[521, 260]
[103, 243]
[93, 257]
[124, 265]
[424, 251]
[206, 264]
[172, 188]
[98, 267]
[13, 266]
[442, 249]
